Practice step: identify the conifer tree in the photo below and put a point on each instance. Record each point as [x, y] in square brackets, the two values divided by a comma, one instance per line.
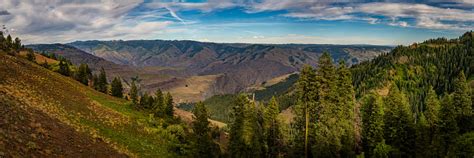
[328, 131]
[462, 103]
[64, 68]
[204, 146]
[133, 93]
[448, 127]
[254, 130]
[168, 104]
[158, 106]
[372, 123]
[273, 133]
[237, 147]
[427, 127]
[399, 123]
[116, 88]
[102, 81]
[144, 101]
[305, 113]
[345, 106]
[83, 74]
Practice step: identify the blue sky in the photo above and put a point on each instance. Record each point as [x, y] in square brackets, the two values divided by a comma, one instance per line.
[239, 21]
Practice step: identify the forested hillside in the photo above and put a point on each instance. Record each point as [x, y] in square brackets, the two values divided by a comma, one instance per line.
[416, 101]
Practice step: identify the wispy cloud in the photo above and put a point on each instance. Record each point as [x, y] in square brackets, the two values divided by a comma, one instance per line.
[61, 21]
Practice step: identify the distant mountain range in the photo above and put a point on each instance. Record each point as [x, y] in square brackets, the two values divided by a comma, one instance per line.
[227, 68]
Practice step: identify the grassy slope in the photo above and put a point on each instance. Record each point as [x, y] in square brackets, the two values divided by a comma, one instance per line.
[88, 112]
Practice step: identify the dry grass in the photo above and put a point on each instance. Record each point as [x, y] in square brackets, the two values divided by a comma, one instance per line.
[193, 89]
[97, 115]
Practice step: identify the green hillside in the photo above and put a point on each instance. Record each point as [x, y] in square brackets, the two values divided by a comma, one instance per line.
[53, 111]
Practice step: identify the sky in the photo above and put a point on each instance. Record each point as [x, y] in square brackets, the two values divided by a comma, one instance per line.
[376, 22]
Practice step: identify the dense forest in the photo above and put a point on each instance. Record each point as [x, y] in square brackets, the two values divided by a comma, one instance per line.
[416, 101]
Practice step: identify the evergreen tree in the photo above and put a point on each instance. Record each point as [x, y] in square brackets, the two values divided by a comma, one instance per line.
[158, 106]
[102, 81]
[64, 68]
[116, 87]
[204, 146]
[345, 109]
[274, 137]
[448, 127]
[17, 44]
[462, 103]
[237, 147]
[428, 129]
[381, 150]
[83, 74]
[399, 123]
[144, 101]
[372, 123]
[304, 110]
[133, 93]
[168, 104]
[328, 131]
[253, 127]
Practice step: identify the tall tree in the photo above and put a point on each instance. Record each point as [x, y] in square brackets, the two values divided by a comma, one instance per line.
[428, 129]
[306, 91]
[158, 106]
[83, 74]
[253, 127]
[328, 131]
[372, 123]
[399, 123]
[237, 147]
[462, 103]
[345, 107]
[133, 93]
[102, 82]
[448, 126]
[204, 146]
[168, 104]
[116, 87]
[273, 135]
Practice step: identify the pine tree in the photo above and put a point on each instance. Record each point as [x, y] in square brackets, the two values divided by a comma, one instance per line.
[327, 131]
[158, 106]
[144, 101]
[462, 103]
[372, 123]
[274, 137]
[399, 123]
[345, 109]
[253, 127]
[17, 44]
[168, 104]
[448, 127]
[237, 147]
[304, 110]
[116, 87]
[133, 93]
[204, 146]
[102, 82]
[428, 131]
[64, 68]
[83, 74]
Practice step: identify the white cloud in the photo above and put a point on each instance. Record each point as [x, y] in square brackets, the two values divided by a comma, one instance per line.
[56, 21]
